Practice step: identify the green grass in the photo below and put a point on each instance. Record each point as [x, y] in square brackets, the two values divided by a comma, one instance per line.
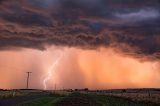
[117, 101]
[45, 101]
[100, 99]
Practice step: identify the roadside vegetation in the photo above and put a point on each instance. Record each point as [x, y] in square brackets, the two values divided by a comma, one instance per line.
[119, 101]
[11, 94]
[44, 101]
[79, 99]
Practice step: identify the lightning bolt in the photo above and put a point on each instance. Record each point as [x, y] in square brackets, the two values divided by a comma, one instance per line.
[50, 71]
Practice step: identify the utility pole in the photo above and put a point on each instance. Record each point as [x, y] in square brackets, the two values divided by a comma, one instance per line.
[28, 73]
[55, 87]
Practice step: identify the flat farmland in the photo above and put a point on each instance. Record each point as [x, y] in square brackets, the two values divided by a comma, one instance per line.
[83, 98]
[143, 95]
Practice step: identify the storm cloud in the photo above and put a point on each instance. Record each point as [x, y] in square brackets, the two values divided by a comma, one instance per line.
[131, 27]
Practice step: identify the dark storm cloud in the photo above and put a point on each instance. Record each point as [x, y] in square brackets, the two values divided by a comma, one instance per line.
[127, 25]
[27, 18]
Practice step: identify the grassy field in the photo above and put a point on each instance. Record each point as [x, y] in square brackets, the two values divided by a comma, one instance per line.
[153, 97]
[11, 94]
[46, 101]
[145, 95]
[86, 98]
[6, 94]
[78, 99]
[118, 101]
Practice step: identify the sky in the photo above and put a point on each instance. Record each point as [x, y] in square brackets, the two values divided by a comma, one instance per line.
[98, 44]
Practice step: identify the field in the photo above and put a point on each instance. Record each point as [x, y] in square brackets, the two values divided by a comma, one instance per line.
[145, 95]
[128, 97]
[44, 101]
[6, 94]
